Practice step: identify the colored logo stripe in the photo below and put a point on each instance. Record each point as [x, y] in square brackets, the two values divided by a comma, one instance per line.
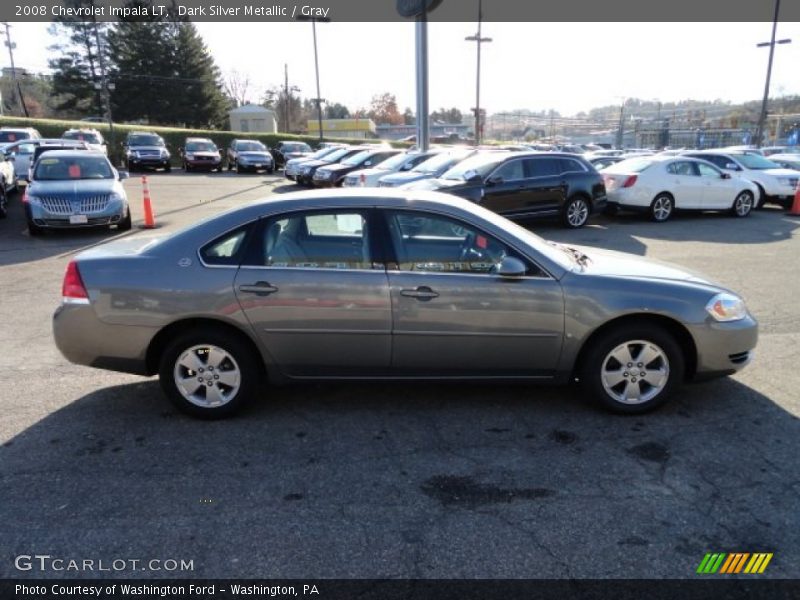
[723, 563]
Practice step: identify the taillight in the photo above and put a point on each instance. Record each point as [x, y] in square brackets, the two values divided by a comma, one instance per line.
[630, 181]
[72, 290]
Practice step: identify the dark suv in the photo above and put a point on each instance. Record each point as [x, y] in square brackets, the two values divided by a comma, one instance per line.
[146, 149]
[521, 185]
[285, 151]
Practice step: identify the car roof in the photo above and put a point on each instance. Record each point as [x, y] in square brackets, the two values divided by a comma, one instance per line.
[73, 153]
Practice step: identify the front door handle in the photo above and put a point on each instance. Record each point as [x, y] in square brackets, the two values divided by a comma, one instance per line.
[261, 288]
[421, 293]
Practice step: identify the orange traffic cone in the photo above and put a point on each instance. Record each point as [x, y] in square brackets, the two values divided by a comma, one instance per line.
[149, 220]
[795, 209]
[362, 181]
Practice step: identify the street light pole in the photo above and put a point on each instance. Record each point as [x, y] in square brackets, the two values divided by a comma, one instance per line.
[763, 116]
[316, 69]
[105, 89]
[478, 40]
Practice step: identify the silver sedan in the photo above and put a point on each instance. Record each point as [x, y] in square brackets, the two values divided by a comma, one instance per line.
[374, 284]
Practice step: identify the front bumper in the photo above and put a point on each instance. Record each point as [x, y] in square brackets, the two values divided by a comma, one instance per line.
[204, 164]
[724, 348]
[148, 161]
[114, 212]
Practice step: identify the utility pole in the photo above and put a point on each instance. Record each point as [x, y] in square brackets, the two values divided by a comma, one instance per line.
[104, 88]
[286, 90]
[421, 43]
[478, 40]
[316, 70]
[763, 116]
[15, 85]
[621, 128]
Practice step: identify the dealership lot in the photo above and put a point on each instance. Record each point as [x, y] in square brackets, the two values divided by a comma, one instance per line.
[383, 480]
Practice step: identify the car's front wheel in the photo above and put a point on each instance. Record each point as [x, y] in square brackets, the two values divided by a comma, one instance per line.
[209, 375]
[633, 369]
[126, 222]
[576, 212]
[743, 204]
[3, 201]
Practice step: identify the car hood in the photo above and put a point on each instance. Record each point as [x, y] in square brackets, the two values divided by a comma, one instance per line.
[315, 163]
[781, 172]
[254, 154]
[290, 155]
[79, 186]
[407, 177]
[619, 264]
[336, 167]
[369, 172]
[437, 184]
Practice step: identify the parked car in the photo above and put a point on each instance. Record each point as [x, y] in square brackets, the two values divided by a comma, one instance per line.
[93, 139]
[8, 183]
[333, 175]
[249, 155]
[436, 166]
[21, 153]
[601, 162]
[786, 161]
[661, 185]
[305, 174]
[60, 145]
[775, 184]
[75, 188]
[522, 185]
[402, 162]
[200, 153]
[385, 284]
[285, 151]
[770, 150]
[94, 119]
[146, 150]
[292, 166]
[9, 135]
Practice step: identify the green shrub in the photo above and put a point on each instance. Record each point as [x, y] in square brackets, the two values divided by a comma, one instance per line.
[174, 137]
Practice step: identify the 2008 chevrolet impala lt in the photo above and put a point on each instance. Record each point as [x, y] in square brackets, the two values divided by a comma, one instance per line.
[372, 284]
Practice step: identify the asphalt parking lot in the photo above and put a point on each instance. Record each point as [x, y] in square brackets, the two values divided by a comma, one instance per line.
[385, 481]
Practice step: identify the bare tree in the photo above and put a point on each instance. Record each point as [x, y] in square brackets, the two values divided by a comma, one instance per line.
[237, 86]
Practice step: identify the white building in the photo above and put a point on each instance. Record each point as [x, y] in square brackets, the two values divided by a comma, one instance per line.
[253, 118]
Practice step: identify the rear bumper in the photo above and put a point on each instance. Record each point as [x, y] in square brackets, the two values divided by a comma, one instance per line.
[85, 340]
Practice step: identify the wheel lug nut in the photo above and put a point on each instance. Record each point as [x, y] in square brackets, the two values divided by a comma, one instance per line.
[200, 371]
[642, 374]
[210, 384]
[212, 368]
[200, 379]
[625, 374]
[640, 365]
[633, 379]
[216, 376]
[630, 365]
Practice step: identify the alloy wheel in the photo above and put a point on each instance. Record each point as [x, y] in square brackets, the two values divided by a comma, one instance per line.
[635, 372]
[577, 213]
[743, 204]
[207, 376]
[662, 208]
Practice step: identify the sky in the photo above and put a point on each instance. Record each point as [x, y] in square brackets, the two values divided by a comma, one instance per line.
[569, 67]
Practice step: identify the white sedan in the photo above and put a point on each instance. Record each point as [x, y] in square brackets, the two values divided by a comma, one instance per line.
[396, 164]
[659, 185]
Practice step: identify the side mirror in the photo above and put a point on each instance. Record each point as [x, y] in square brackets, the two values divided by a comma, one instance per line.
[726, 175]
[472, 176]
[494, 180]
[510, 267]
[123, 175]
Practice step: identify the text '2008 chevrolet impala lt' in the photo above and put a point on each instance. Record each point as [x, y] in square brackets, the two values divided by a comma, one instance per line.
[372, 284]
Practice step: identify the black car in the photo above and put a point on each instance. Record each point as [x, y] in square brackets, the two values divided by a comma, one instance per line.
[285, 151]
[521, 185]
[146, 149]
[306, 171]
[333, 175]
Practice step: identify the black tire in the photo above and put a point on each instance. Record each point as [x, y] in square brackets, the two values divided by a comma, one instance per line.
[270, 171]
[34, 229]
[3, 202]
[126, 223]
[167, 168]
[743, 204]
[242, 356]
[597, 360]
[662, 207]
[230, 165]
[187, 168]
[762, 197]
[611, 210]
[239, 168]
[575, 213]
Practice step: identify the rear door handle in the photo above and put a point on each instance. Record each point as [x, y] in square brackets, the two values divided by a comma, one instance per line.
[261, 288]
[421, 293]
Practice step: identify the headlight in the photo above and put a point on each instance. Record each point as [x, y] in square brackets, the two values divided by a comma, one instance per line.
[164, 153]
[726, 307]
[784, 181]
[306, 170]
[190, 157]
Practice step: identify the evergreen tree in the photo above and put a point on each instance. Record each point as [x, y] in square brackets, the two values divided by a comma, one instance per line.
[76, 69]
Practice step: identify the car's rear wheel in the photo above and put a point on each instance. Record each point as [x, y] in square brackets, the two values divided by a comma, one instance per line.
[662, 207]
[633, 369]
[167, 168]
[576, 212]
[743, 204]
[762, 196]
[3, 201]
[209, 375]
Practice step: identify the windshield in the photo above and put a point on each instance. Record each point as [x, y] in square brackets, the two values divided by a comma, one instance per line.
[336, 156]
[201, 147]
[251, 147]
[145, 140]
[323, 152]
[631, 165]
[6, 137]
[57, 168]
[437, 163]
[295, 148]
[395, 162]
[482, 164]
[83, 136]
[756, 162]
[357, 158]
